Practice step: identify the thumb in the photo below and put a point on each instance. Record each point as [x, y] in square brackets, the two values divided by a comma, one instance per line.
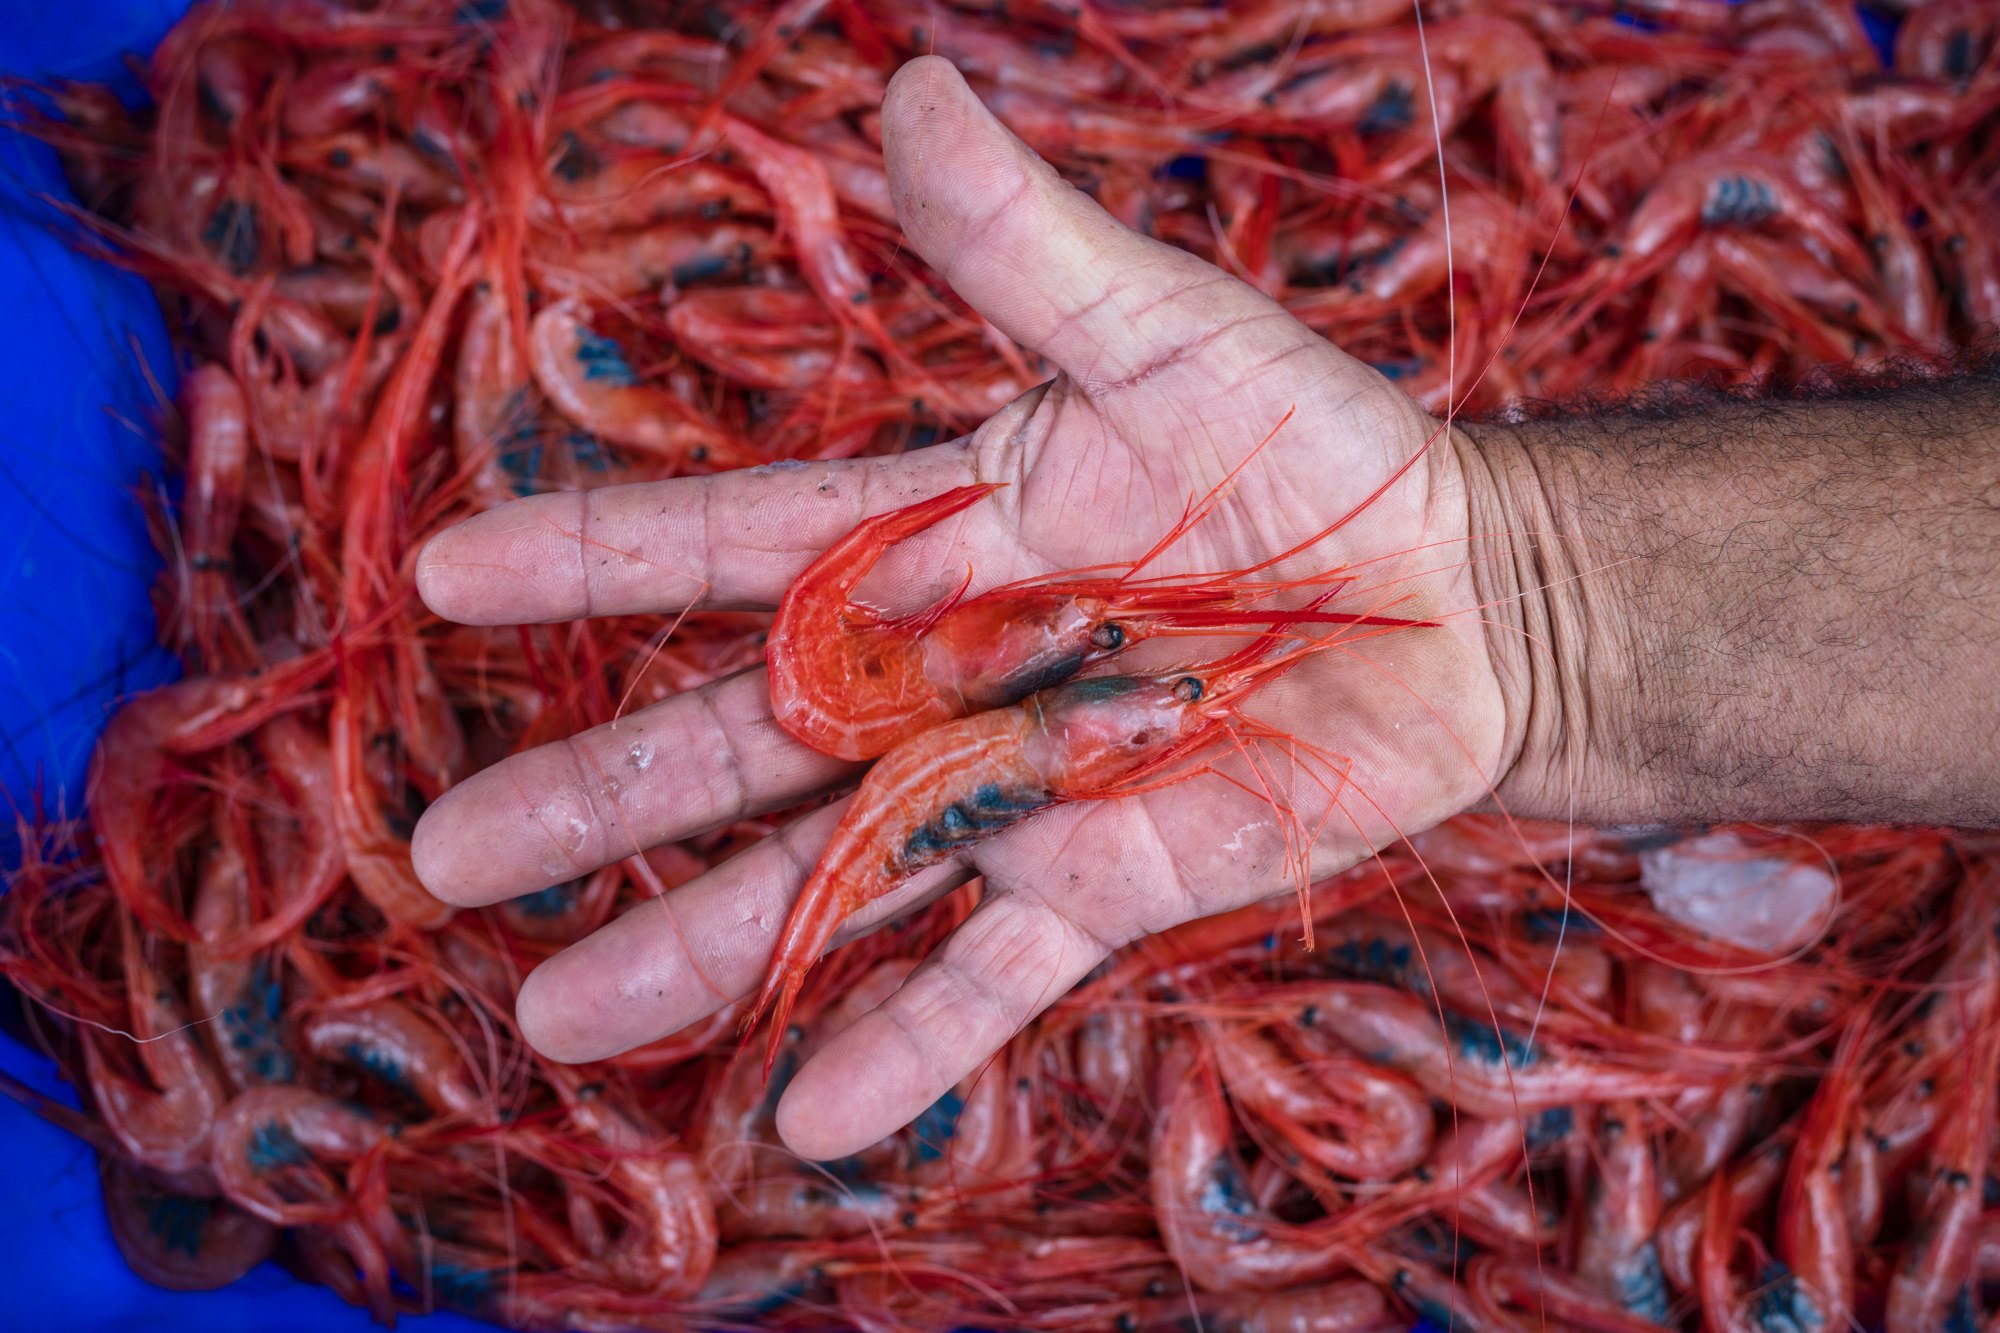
[1036, 256]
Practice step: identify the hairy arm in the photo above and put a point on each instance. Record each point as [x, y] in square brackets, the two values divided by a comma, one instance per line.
[1779, 609]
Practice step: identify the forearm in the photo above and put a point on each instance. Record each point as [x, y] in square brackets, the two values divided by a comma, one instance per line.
[1779, 609]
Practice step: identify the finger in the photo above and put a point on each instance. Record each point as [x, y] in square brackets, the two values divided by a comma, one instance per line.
[1034, 255]
[1012, 958]
[676, 959]
[680, 767]
[736, 539]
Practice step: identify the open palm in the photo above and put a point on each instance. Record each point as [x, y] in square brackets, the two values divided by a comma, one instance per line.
[1172, 371]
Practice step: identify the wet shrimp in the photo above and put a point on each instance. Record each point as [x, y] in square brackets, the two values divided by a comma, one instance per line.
[947, 789]
[853, 683]
[589, 379]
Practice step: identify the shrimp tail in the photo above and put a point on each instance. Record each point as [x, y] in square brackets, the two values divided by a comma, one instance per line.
[808, 930]
[854, 555]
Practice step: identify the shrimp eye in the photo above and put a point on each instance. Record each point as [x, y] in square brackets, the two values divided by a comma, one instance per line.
[1110, 636]
[1188, 689]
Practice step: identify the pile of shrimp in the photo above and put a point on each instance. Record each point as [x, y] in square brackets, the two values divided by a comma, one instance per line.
[425, 256]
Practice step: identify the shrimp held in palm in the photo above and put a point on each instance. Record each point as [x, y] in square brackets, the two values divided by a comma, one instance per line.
[853, 683]
[944, 790]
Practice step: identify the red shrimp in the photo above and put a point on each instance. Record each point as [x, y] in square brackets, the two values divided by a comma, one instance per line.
[1500, 56]
[677, 255]
[274, 1149]
[1715, 190]
[243, 994]
[1466, 1062]
[589, 194]
[1947, 41]
[1503, 1215]
[1781, 277]
[853, 683]
[493, 419]
[349, 294]
[1201, 1200]
[741, 1110]
[1344, 1114]
[1112, 1060]
[391, 1043]
[162, 1120]
[1443, 1303]
[180, 1241]
[1615, 1253]
[671, 1242]
[1937, 1266]
[1812, 29]
[373, 538]
[588, 378]
[1901, 265]
[376, 851]
[766, 338]
[1348, 1306]
[301, 768]
[1971, 222]
[131, 771]
[267, 1140]
[376, 167]
[1746, 271]
[803, 193]
[1813, 1236]
[946, 789]
[344, 90]
[1543, 1293]
[218, 453]
[1748, 1183]
[1487, 244]
[1727, 1118]
[1276, 25]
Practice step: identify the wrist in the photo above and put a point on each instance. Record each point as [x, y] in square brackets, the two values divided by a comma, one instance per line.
[1554, 603]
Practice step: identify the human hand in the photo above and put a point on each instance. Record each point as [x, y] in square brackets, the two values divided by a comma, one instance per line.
[1171, 372]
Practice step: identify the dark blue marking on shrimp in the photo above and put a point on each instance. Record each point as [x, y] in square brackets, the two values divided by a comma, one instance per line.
[1642, 1287]
[1738, 199]
[380, 1063]
[1394, 109]
[1039, 674]
[1549, 1128]
[587, 450]
[231, 235]
[1964, 1316]
[1225, 1197]
[965, 822]
[461, 1288]
[935, 1128]
[1377, 960]
[179, 1221]
[1553, 923]
[1406, 369]
[1478, 1041]
[1781, 1305]
[603, 359]
[273, 1145]
[251, 1026]
[554, 901]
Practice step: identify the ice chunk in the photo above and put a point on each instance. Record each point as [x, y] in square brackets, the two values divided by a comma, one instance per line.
[1722, 886]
